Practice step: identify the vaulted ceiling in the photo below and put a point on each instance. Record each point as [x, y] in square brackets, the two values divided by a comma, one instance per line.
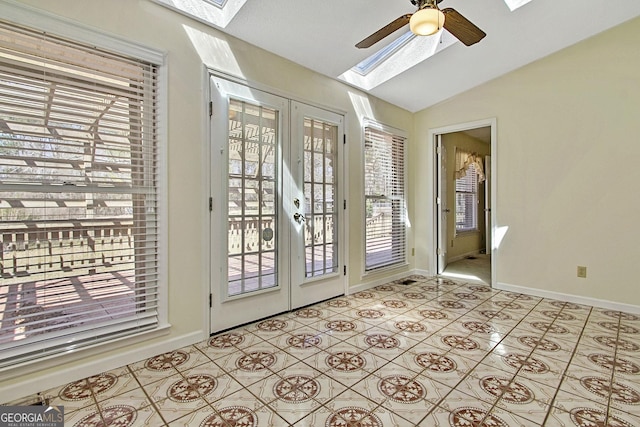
[321, 35]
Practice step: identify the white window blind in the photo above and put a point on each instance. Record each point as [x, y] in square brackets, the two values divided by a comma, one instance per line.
[467, 200]
[385, 233]
[78, 195]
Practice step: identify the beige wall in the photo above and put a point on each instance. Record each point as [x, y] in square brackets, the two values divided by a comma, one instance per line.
[462, 244]
[188, 45]
[567, 147]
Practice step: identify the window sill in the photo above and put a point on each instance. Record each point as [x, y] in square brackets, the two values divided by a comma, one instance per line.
[55, 360]
[384, 269]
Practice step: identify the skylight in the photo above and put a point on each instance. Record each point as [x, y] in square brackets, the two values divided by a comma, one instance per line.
[396, 58]
[218, 13]
[514, 4]
[219, 3]
[365, 66]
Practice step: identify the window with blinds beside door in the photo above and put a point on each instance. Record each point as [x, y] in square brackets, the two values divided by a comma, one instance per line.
[79, 195]
[384, 194]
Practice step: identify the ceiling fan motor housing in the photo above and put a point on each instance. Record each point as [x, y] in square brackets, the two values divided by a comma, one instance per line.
[425, 3]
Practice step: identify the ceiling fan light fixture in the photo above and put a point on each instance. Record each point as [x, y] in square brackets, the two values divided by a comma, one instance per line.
[426, 21]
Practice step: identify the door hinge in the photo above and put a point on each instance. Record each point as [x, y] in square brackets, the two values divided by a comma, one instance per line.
[438, 200]
[439, 251]
[344, 138]
[210, 300]
[210, 204]
[438, 150]
[345, 204]
[345, 270]
[210, 108]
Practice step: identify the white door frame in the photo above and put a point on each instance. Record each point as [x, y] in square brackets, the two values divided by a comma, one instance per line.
[442, 208]
[432, 138]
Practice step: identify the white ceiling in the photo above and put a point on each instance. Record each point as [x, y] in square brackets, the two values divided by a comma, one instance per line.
[321, 35]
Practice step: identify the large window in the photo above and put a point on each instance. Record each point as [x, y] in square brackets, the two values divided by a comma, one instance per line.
[79, 186]
[385, 233]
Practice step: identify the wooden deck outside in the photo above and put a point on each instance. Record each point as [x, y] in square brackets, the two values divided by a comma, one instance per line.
[62, 273]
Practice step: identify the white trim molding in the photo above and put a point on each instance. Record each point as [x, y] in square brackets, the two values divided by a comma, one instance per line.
[577, 299]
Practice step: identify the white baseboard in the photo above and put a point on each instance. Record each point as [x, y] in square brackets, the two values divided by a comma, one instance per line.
[463, 256]
[372, 284]
[419, 272]
[577, 299]
[82, 370]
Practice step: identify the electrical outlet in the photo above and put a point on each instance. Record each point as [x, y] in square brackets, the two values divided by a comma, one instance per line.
[582, 271]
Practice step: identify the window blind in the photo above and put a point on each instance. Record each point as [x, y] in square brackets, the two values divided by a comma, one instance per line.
[467, 200]
[385, 233]
[78, 194]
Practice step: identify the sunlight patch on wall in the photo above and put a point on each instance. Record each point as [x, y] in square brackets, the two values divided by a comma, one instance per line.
[208, 12]
[362, 107]
[412, 53]
[515, 4]
[500, 233]
[214, 52]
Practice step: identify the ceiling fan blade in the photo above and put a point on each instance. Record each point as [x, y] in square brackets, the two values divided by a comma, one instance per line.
[461, 28]
[384, 32]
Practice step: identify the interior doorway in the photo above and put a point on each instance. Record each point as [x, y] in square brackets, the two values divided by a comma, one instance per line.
[464, 161]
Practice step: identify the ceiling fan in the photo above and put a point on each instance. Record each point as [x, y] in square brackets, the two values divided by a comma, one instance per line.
[427, 20]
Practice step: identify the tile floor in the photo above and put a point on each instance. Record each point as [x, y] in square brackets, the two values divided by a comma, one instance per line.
[437, 352]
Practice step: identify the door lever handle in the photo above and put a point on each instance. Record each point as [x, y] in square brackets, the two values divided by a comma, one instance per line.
[298, 216]
[446, 210]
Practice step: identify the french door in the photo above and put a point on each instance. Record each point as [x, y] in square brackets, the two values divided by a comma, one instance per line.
[276, 240]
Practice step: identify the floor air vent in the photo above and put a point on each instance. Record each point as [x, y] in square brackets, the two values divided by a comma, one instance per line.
[407, 282]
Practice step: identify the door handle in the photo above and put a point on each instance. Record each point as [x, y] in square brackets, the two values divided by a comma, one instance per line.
[298, 216]
[446, 210]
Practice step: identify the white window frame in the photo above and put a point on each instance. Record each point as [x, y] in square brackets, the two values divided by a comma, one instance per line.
[396, 261]
[39, 20]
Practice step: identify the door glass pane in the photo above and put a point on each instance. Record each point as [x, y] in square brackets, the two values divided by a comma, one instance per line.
[321, 245]
[252, 213]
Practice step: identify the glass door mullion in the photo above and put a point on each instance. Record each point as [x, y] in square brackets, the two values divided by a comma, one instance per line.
[243, 203]
[324, 200]
[312, 142]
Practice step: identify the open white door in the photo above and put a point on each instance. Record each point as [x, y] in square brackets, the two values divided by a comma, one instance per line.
[441, 203]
